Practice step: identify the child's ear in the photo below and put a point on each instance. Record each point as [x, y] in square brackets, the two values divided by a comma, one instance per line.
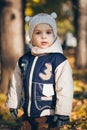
[54, 15]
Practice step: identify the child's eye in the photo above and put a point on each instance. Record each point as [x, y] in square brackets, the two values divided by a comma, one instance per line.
[37, 33]
[49, 32]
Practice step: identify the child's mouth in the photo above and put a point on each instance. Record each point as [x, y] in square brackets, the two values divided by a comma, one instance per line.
[43, 43]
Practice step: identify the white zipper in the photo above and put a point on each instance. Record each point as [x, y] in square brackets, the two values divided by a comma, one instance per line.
[30, 83]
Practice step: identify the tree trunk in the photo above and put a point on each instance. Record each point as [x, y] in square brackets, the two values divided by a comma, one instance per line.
[80, 21]
[82, 35]
[11, 39]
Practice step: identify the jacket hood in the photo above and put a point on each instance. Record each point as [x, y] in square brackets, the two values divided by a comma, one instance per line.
[55, 48]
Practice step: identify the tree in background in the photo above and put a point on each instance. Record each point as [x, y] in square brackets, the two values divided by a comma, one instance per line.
[80, 21]
[11, 38]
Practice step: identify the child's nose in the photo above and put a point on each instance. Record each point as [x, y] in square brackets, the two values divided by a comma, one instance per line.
[43, 35]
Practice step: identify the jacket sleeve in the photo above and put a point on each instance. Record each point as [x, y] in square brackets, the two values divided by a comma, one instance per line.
[64, 89]
[15, 90]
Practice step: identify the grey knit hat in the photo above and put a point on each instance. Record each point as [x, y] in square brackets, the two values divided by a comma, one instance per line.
[42, 18]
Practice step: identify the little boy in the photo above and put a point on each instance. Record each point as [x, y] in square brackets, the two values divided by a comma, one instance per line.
[45, 76]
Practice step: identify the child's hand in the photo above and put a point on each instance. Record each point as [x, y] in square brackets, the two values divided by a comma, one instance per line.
[14, 112]
[59, 120]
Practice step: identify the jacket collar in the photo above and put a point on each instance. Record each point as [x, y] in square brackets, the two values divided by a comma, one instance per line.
[55, 48]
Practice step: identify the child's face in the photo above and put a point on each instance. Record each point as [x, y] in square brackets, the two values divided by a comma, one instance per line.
[43, 36]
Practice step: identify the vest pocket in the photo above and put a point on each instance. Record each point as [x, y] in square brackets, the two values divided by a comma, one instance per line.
[44, 96]
[48, 90]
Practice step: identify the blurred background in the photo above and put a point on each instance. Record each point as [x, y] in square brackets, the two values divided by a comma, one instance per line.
[72, 31]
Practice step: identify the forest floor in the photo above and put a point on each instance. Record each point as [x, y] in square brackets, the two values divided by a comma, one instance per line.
[78, 120]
